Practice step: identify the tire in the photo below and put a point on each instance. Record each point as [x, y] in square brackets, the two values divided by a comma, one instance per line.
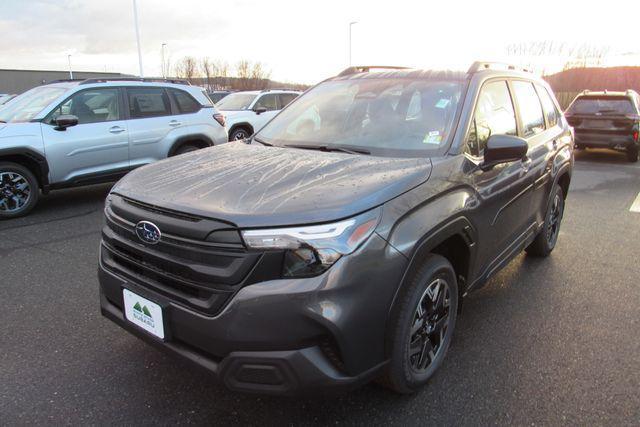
[632, 153]
[411, 364]
[239, 133]
[546, 239]
[186, 148]
[19, 190]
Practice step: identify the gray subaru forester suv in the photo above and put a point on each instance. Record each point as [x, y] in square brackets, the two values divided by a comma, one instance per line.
[72, 133]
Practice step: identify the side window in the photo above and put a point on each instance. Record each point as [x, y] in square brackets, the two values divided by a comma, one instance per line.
[286, 98]
[530, 108]
[549, 108]
[91, 106]
[186, 103]
[494, 115]
[148, 102]
[269, 101]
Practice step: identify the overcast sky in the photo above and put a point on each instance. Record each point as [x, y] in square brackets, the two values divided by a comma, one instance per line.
[303, 41]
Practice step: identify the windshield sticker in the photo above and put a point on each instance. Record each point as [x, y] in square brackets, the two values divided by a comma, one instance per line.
[442, 103]
[432, 137]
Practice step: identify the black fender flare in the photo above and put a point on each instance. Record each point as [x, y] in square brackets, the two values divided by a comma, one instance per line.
[189, 138]
[42, 172]
[460, 226]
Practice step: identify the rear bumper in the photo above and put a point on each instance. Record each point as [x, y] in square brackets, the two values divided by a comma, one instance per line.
[287, 336]
[602, 140]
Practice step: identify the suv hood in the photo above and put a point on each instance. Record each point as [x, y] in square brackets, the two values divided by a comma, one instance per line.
[258, 186]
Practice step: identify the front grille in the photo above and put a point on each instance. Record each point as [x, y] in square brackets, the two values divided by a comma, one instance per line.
[194, 272]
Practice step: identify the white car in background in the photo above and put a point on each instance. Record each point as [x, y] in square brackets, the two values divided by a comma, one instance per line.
[246, 112]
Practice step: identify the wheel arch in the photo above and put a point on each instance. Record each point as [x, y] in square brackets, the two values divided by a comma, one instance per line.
[32, 160]
[456, 241]
[198, 139]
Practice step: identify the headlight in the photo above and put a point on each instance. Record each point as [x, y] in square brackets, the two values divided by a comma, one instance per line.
[312, 249]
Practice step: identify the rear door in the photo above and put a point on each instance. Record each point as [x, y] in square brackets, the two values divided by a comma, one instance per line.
[151, 120]
[98, 145]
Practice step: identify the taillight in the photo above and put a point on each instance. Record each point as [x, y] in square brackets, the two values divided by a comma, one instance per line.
[220, 119]
[635, 135]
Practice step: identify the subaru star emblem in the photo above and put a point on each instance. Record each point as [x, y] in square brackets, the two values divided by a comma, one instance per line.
[148, 232]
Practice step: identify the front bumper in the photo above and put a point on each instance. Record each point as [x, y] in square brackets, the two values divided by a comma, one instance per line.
[287, 336]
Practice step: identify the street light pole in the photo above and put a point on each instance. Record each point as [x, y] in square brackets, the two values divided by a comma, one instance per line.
[70, 71]
[135, 19]
[350, 25]
[164, 74]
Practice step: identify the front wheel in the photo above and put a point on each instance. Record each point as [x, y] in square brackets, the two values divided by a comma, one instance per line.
[546, 239]
[238, 134]
[19, 190]
[422, 326]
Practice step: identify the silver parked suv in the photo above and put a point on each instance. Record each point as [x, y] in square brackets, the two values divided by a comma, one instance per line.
[72, 133]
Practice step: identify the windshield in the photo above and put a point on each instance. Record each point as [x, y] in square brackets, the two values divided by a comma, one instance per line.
[236, 101]
[604, 105]
[26, 106]
[396, 117]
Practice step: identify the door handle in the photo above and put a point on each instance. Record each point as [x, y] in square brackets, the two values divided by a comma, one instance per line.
[526, 164]
[174, 123]
[116, 129]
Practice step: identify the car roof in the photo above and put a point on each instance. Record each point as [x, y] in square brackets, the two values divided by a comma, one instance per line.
[485, 69]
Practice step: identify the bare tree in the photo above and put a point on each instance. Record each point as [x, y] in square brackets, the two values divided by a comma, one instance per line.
[207, 69]
[186, 68]
[259, 76]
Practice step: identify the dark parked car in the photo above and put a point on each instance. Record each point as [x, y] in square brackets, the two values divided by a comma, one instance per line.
[336, 246]
[606, 120]
[217, 95]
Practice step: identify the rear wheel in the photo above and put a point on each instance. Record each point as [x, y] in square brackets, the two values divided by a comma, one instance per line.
[19, 190]
[546, 239]
[632, 153]
[422, 326]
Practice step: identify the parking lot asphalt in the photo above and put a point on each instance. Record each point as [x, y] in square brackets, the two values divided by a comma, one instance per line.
[552, 341]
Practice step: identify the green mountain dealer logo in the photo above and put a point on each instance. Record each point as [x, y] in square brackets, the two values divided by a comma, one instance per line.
[143, 314]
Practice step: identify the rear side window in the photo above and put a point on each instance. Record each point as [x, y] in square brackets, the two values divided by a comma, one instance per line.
[549, 108]
[494, 115]
[286, 98]
[602, 105]
[530, 108]
[148, 102]
[186, 103]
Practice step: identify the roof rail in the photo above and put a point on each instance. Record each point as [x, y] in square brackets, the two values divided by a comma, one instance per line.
[366, 68]
[279, 88]
[488, 65]
[64, 81]
[134, 79]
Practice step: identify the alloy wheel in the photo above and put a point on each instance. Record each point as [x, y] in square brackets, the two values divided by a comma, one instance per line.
[555, 216]
[15, 191]
[430, 324]
[239, 134]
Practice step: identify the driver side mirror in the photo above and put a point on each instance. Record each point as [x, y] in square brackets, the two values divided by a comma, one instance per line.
[260, 110]
[503, 149]
[64, 121]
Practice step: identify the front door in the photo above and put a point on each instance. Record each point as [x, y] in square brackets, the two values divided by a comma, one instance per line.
[97, 146]
[505, 189]
[270, 102]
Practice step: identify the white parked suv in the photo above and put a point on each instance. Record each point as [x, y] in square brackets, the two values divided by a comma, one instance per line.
[72, 133]
[246, 112]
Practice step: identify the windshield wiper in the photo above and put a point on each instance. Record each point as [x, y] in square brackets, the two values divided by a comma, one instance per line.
[258, 140]
[2, 121]
[329, 148]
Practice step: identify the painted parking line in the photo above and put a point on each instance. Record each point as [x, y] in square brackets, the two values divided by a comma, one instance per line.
[635, 206]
